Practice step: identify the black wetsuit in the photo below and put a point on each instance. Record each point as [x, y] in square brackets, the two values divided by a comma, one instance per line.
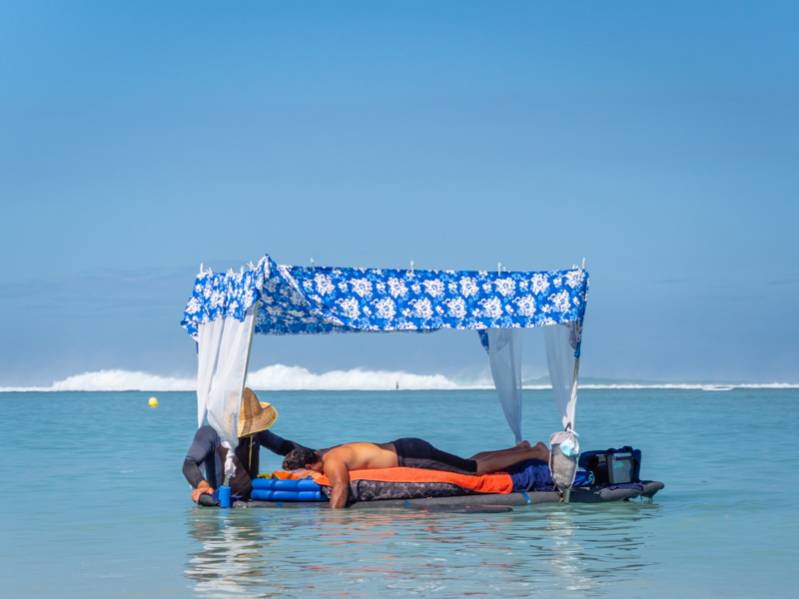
[206, 453]
[418, 453]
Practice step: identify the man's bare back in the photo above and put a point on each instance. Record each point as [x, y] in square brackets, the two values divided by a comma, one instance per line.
[338, 461]
[362, 455]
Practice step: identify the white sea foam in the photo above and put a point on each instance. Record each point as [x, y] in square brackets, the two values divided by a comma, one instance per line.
[277, 377]
[114, 380]
[295, 377]
[282, 377]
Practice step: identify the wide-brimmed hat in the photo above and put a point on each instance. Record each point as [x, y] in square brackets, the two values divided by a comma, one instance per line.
[255, 416]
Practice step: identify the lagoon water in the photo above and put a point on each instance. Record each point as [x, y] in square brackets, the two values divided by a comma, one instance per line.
[95, 504]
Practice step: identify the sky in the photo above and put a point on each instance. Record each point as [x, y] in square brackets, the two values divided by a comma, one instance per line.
[658, 141]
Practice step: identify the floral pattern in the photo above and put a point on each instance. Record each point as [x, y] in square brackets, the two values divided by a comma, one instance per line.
[297, 299]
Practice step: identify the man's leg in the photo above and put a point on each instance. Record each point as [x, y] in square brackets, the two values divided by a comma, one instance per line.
[418, 453]
[504, 459]
[486, 454]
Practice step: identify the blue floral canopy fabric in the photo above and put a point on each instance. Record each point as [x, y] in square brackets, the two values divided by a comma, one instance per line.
[307, 300]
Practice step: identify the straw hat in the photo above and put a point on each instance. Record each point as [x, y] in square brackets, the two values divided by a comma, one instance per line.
[255, 416]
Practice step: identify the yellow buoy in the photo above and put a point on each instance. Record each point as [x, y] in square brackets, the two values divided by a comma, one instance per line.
[153, 402]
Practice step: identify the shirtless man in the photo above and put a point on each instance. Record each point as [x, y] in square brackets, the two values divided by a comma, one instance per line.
[336, 462]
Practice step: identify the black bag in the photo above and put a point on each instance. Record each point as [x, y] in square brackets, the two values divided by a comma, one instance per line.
[613, 466]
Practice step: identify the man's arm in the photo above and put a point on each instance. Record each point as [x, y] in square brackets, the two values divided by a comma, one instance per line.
[339, 476]
[201, 448]
[276, 443]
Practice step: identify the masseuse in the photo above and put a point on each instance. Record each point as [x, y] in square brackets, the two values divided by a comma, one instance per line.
[207, 454]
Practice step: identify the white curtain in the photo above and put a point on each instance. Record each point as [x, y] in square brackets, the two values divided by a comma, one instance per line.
[223, 354]
[562, 341]
[505, 358]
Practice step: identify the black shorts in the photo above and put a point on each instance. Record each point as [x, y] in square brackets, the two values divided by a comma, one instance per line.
[418, 453]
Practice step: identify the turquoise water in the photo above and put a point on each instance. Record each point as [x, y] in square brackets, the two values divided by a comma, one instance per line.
[95, 504]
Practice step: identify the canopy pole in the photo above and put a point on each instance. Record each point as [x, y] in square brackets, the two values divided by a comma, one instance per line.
[573, 394]
[576, 370]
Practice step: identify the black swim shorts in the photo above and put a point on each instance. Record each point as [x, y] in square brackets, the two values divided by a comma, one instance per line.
[418, 453]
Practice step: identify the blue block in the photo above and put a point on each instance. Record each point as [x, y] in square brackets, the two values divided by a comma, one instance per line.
[307, 484]
[268, 495]
[262, 494]
[274, 484]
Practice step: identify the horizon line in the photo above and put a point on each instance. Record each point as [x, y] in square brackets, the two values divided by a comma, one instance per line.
[279, 377]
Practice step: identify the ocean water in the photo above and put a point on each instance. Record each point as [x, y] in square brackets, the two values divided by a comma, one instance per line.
[95, 505]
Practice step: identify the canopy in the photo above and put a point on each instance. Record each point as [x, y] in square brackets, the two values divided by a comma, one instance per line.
[226, 308]
[298, 299]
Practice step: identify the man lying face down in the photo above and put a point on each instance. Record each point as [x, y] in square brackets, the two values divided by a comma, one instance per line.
[336, 462]
[207, 454]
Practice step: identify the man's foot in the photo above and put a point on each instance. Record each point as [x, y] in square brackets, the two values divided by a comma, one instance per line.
[543, 451]
[523, 445]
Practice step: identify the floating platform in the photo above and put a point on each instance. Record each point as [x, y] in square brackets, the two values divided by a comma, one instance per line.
[485, 502]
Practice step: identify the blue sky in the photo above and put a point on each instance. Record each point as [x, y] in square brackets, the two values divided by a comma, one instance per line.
[138, 139]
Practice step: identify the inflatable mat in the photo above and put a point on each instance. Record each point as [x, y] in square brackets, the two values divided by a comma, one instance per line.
[273, 489]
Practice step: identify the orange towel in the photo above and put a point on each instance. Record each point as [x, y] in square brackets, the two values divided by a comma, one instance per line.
[495, 482]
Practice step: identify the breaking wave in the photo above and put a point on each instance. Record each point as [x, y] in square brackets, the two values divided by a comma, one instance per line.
[280, 377]
[298, 378]
[114, 380]
[275, 377]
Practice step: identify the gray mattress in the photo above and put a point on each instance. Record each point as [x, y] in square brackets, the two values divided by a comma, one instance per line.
[646, 489]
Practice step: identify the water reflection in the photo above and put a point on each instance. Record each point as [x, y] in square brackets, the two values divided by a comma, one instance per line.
[539, 550]
[227, 557]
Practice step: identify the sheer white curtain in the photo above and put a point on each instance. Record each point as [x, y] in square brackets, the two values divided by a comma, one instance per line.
[223, 354]
[505, 359]
[561, 342]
